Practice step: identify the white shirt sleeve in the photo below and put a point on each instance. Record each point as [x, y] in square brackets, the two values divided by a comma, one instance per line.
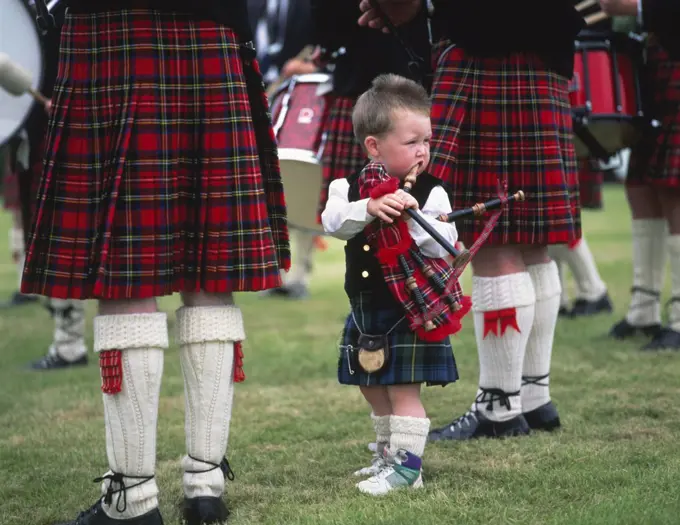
[343, 219]
[640, 20]
[437, 203]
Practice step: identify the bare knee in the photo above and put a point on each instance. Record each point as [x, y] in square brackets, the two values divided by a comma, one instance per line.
[494, 261]
[127, 306]
[644, 202]
[535, 255]
[207, 299]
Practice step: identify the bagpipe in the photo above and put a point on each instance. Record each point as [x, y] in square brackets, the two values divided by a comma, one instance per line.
[427, 288]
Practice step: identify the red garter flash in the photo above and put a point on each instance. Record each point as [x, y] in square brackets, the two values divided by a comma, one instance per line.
[111, 367]
[239, 374]
[506, 318]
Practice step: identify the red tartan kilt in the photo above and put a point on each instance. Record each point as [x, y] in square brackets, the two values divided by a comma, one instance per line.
[590, 178]
[655, 160]
[508, 120]
[11, 200]
[154, 182]
[342, 154]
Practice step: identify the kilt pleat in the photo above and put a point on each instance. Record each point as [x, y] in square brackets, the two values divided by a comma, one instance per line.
[505, 120]
[412, 359]
[342, 154]
[655, 159]
[154, 180]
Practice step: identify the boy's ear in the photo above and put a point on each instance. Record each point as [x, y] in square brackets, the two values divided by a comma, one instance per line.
[371, 145]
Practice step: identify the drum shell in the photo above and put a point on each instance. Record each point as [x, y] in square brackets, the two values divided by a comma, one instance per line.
[300, 110]
[605, 91]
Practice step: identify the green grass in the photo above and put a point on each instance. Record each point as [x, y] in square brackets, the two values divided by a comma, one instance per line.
[297, 435]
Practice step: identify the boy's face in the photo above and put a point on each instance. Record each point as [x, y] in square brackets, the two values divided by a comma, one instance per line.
[405, 146]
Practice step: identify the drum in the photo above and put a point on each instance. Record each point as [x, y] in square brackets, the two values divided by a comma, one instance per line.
[300, 109]
[605, 93]
[20, 39]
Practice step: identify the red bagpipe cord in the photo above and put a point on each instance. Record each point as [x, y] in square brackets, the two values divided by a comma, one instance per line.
[390, 241]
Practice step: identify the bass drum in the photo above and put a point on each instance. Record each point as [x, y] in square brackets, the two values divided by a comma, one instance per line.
[20, 40]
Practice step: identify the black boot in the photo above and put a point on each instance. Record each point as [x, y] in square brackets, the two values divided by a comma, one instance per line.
[95, 515]
[544, 417]
[18, 299]
[624, 330]
[583, 307]
[208, 510]
[665, 339]
[473, 425]
[56, 362]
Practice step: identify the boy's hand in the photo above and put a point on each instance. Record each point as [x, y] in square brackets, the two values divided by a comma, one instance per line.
[386, 208]
[408, 201]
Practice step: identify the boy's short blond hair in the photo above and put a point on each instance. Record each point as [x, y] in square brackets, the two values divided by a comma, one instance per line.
[374, 110]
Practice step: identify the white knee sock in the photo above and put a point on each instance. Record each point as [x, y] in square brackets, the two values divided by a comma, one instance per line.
[68, 341]
[381, 424]
[409, 434]
[674, 255]
[535, 378]
[558, 253]
[206, 337]
[16, 246]
[131, 360]
[649, 263]
[303, 251]
[589, 284]
[504, 309]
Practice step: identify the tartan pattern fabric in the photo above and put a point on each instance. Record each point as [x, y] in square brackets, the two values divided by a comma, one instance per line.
[412, 360]
[655, 159]
[342, 154]
[155, 181]
[394, 248]
[508, 120]
[590, 180]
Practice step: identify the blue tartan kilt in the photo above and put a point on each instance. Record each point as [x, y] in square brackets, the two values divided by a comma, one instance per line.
[412, 360]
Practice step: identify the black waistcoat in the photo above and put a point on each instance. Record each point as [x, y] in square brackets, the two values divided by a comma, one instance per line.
[363, 272]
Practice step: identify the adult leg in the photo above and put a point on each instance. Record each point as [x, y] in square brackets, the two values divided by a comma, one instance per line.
[503, 308]
[537, 407]
[296, 281]
[130, 337]
[210, 329]
[649, 232]
[68, 346]
[669, 338]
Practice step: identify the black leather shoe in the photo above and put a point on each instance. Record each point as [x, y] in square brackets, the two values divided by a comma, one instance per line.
[19, 299]
[544, 417]
[294, 291]
[564, 312]
[666, 339]
[583, 307]
[95, 515]
[204, 511]
[624, 330]
[56, 362]
[474, 425]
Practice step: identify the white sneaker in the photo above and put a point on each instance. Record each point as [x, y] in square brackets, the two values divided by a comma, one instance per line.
[377, 464]
[373, 447]
[401, 469]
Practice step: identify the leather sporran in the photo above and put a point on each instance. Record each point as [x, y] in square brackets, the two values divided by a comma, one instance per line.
[374, 353]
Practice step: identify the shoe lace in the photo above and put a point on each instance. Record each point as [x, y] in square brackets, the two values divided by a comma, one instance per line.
[222, 465]
[465, 418]
[121, 489]
[489, 395]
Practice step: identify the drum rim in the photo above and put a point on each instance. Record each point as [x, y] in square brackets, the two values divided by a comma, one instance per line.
[40, 75]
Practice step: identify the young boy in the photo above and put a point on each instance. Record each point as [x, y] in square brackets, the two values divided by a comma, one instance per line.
[392, 121]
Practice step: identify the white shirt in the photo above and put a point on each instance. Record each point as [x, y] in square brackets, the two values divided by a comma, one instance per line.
[343, 219]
